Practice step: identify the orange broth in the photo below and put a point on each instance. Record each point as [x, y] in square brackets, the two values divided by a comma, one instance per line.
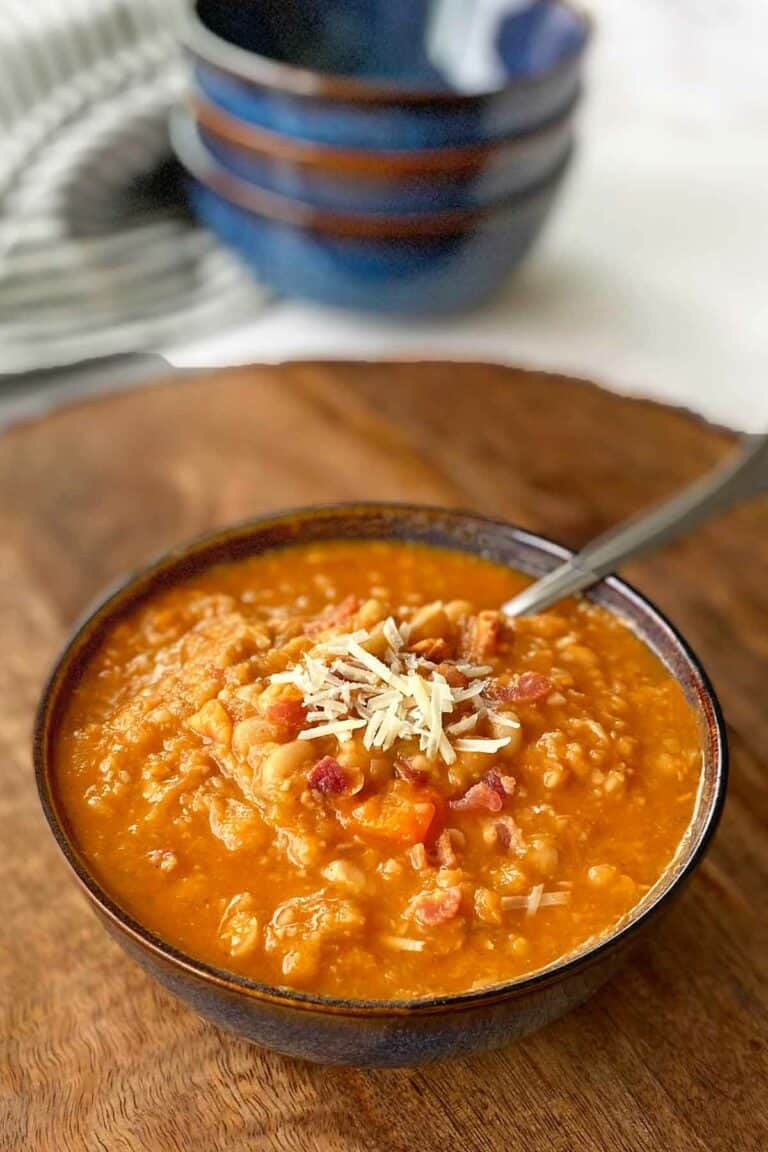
[511, 807]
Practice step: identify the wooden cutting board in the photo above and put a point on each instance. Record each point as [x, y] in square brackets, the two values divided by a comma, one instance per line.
[670, 1056]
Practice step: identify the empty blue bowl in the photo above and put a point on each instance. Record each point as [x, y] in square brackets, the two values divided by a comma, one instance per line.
[422, 263]
[365, 180]
[394, 74]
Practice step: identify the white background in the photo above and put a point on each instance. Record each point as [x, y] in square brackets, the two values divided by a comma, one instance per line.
[653, 276]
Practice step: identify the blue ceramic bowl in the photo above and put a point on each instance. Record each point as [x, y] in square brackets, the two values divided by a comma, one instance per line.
[390, 1032]
[394, 74]
[365, 180]
[419, 263]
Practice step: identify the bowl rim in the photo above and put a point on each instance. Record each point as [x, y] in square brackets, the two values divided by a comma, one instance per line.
[208, 171]
[266, 72]
[128, 591]
[245, 136]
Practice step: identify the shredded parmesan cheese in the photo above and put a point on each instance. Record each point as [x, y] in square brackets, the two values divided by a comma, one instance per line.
[335, 728]
[549, 898]
[536, 898]
[503, 719]
[392, 634]
[403, 943]
[475, 689]
[466, 724]
[471, 671]
[482, 745]
[510, 902]
[344, 688]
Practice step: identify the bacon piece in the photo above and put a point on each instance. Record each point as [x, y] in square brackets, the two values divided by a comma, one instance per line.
[503, 834]
[504, 785]
[527, 688]
[327, 777]
[434, 649]
[508, 835]
[493, 780]
[436, 907]
[481, 797]
[444, 850]
[451, 674]
[482, 635]
[487, 795]
[332, 615]
[405, 770]
[288, 716]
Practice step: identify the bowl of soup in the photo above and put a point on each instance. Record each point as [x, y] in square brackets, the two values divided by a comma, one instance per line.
[319, 787]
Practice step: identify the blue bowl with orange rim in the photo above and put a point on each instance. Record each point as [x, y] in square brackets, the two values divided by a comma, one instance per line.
[389, 74]
[428, 263]
[384, 180]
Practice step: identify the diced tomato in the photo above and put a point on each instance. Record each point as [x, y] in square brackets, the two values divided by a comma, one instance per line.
[403, 813]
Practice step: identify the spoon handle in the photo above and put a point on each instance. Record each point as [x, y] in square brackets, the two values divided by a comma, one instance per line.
[740, 478]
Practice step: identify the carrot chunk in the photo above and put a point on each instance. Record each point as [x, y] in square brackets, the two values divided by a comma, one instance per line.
[403, 814]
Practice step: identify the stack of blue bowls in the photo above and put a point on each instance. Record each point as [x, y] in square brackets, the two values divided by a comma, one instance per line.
[388, 155]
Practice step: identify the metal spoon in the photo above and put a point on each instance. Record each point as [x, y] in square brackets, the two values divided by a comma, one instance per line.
[740, 478]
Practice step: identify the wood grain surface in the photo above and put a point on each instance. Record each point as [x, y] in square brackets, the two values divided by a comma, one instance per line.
[670, 1056]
